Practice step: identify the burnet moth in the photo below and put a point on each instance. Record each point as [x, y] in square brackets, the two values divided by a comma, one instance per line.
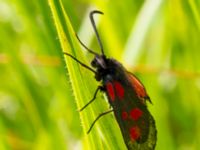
[126, 95]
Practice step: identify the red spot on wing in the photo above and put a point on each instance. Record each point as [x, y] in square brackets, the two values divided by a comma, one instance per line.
[110, 90]
[124, 115]
[119, 90]
[138, 87]
[135, 133]
[135, 114]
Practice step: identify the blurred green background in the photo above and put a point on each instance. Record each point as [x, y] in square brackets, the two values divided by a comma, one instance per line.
[158, 40]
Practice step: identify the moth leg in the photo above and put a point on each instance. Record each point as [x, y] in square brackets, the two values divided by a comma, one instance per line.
[100, 115]
[101, 88]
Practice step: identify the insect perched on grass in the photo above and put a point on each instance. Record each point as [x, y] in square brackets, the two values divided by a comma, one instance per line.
[126, 95]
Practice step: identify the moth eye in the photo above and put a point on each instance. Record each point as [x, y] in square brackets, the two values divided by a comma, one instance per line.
[94, 63]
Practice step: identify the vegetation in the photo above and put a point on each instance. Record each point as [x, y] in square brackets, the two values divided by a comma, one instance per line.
[41, 90]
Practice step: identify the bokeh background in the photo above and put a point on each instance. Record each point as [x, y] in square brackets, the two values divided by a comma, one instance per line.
[158, 40]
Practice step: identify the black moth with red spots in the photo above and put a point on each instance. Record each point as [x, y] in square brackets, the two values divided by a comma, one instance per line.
[126, 95]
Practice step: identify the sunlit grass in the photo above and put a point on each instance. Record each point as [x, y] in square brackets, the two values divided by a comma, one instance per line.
[41, 90]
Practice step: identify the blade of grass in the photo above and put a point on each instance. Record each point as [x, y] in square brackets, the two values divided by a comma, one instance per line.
[84, 87]
[195, 11]
[139, 31]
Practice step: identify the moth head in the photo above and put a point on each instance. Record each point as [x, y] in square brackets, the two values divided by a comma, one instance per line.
[99, 62]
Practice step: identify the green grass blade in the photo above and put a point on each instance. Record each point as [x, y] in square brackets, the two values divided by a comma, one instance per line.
[101, 136]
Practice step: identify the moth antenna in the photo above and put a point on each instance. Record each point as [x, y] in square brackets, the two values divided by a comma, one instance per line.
[89, 50]
[95, 28]
[82, 64]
